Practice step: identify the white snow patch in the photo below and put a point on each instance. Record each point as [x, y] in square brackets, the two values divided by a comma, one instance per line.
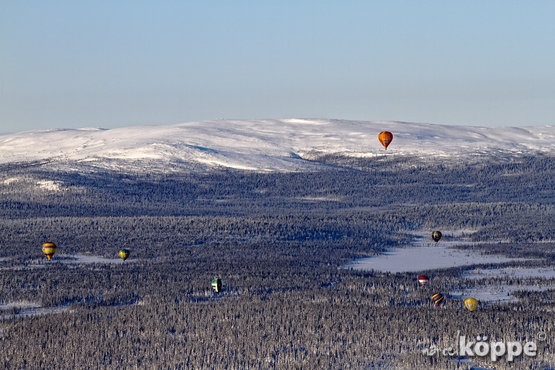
[320, 199]
[49, 185]
[10, 180]
[304, 121]
[223, 163]
[24, 305]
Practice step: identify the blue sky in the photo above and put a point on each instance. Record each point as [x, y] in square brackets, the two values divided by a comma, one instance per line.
[121, 63]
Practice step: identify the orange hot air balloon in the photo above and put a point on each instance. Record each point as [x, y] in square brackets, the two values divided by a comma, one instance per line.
[49, 249]
[385, 137]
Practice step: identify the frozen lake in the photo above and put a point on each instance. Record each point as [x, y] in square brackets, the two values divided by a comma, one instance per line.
[424, 255]
[497, 293]
[511, 272]
[77, 258]
[420, 258]
[85, 258]
[26, 309]
[502, 292]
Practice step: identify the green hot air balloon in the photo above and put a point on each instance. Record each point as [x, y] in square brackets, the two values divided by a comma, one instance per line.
[217, 285]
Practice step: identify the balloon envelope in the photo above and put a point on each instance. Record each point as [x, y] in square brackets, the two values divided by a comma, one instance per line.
[49, 249]
[436, 235]
[471, 303]
[217, 285]
[438, 299]
[423, 280]
[124, 253]
[385, 137]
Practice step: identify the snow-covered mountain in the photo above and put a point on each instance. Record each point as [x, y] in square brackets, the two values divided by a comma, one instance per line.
[261, 145]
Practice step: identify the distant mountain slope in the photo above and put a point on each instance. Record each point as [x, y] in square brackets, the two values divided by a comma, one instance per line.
[260, 145]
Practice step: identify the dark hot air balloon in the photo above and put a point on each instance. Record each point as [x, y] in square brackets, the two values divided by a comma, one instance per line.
[217, 285]
[436, 235]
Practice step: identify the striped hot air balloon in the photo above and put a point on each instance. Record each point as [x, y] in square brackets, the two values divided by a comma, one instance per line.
[438, 299]
[436, 235]
[49, 249]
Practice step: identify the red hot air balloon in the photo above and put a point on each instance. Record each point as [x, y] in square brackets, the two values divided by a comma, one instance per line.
[423, 280]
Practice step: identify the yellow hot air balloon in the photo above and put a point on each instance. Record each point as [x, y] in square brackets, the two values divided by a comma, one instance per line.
[124, 253]
[471, 304]
[385, 137]
[49, 249]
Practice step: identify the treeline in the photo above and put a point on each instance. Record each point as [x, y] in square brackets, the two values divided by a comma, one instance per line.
[383, 182]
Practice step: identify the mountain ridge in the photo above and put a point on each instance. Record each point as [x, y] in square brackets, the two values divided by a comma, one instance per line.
[262, 145]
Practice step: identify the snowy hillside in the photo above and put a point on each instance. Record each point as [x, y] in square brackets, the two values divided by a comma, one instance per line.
[261, 145]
